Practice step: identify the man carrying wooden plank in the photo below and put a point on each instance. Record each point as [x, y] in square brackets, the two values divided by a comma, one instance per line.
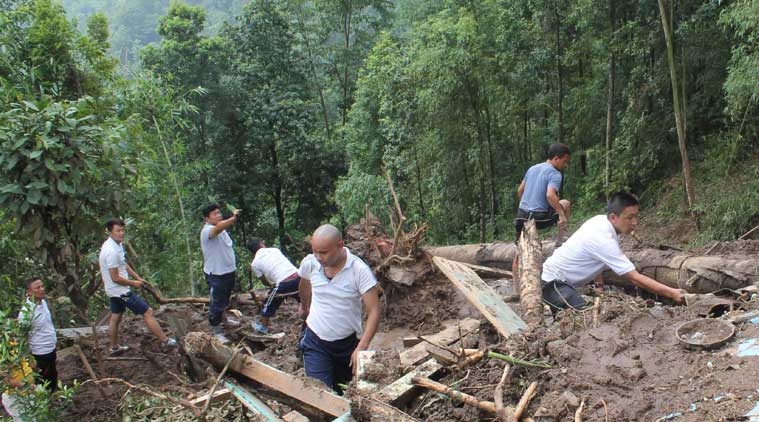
[219, 266]
[274, 267]
[539, 198]
[591, 249]
[42, 336]
[333, 284]
[115, 273]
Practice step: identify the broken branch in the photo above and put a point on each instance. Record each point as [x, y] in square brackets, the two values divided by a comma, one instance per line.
[525, 401]
[194, 409]
[501, 411]
[456, 395]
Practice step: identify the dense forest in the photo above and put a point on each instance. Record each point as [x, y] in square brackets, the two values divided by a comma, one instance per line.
[296, 111]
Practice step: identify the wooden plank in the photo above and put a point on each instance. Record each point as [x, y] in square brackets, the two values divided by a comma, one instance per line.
[482, 296]
[402, 390]
[416, 354]
[253, 403]
[220, 394]
[294, 416]
[489, 271]
[210, 349]
[411, 341]
[78, 332]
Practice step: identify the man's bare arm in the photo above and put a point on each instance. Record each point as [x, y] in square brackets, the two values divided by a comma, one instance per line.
[121, 280]
[520, 190]
[224, 224]
[654, 286]
[304, 291]
[553, 199]
[371, 302]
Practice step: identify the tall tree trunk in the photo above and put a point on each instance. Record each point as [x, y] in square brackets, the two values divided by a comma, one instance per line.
[559, 74]
[316, 83]
[277, 194]
[347, 17]
[678, 107]
[609, 120]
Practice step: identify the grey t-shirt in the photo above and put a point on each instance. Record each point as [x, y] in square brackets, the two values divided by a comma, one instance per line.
[218, 255]
[536, 182]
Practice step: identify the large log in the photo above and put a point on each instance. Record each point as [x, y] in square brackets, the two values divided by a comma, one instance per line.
[206, 347]
[531, 265]
[677, 269]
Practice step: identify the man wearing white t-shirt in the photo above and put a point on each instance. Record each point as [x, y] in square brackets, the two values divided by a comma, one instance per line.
[115, 272]
[333, 284]
[272, 266]
[592, 249]
[42, 337]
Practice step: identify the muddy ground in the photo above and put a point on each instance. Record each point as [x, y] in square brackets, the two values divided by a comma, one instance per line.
[631, 367]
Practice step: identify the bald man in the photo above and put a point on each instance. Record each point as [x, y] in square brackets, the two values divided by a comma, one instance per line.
[333, 284]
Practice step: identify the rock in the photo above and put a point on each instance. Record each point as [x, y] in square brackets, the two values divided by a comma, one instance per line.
[570, 399]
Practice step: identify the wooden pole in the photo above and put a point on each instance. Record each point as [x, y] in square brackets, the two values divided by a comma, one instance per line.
[87, 366]
[531, 263]
[487, 406]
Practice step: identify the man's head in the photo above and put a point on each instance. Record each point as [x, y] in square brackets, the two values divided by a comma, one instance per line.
[212, 214]
[622, 211]
[327, 245]
[116, 228]
[558, 156]
[35, 289]
[254, 245]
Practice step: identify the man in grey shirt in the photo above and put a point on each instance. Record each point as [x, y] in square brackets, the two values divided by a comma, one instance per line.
[539, 198]
[218, 265]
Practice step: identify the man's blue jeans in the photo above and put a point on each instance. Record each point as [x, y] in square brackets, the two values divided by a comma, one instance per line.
[220, 287]
[328, 361]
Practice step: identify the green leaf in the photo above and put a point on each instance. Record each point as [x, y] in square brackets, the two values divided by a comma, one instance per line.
[34, 197]
[10, 188]
[63, 187]
[35, 154]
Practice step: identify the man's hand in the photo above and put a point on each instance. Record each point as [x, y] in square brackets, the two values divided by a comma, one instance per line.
[302, 311]
[679, 296]
[354, 359]
[138, 283]
[236, 212]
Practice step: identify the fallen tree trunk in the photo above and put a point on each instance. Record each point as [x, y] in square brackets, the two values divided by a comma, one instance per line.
[693, 273]
[531, 265]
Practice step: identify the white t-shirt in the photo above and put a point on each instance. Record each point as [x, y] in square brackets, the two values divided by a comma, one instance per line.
[218, 255]
[336, 304]
[272, 264]
[590, 250]
[42, 337]
[112, 256]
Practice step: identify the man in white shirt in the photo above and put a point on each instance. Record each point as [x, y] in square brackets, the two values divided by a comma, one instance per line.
[42, 337]
[276, 270]
[593, 248]
[219, 266]
[333, 284]
[115, 272]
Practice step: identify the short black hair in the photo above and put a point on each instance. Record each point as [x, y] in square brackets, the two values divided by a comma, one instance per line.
[29, 281]
[618, 201]
[208, 209]
[557, 150]
[114, 222]
[254, 245]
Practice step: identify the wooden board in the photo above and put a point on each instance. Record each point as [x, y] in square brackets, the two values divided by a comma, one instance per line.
[78, 332]
[207, 347]
[401, 391]
[253, 403]
[219, 394]
[416, 354]
[294, 416]
[490, 271]
[482, 296]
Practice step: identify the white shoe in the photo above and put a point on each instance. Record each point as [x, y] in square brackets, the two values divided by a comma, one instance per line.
[231, 323]
[222, 338]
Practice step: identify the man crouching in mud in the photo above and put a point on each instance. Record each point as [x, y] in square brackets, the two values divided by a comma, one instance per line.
[590, 250]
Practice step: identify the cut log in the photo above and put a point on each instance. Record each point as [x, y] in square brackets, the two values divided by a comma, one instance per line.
[160, 299]
[530, 268]
[252, 403]
[487, 406]
[402, 390]
[489, 271]
[207, 347]
[416, 354]
[79, 332]
[677, 269]
[482, 296]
